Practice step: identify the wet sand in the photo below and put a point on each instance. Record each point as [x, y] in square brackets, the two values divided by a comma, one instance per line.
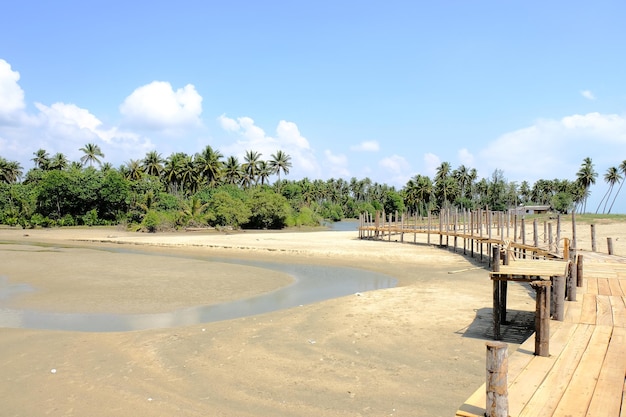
[414, 350]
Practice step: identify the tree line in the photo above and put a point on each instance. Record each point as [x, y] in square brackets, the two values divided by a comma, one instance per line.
[209, 189]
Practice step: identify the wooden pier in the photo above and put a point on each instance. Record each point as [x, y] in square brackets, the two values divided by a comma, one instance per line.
[575, 362]
[584, 373]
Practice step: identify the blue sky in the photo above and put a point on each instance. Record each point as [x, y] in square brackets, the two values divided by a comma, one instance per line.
[369, 88]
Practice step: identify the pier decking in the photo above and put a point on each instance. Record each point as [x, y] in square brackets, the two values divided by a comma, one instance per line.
[585, 371]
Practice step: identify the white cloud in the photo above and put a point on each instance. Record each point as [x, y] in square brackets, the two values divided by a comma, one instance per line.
[366, 146]
[398, 167]
[466, 158]
[588, 95]
[288, 139]
[11, 94]
[156, 106]
[431, 162]
[555, 148]
[337, 165]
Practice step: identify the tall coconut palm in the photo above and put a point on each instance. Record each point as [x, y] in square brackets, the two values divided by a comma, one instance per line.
[264, 172]
[92, 153]
[232, 171]
[280, 162]
[611, 177]
[152, 164]
[10, 171]
[58, 161]
[586, 177]
[209, 165]
[41, 159]
[251, 167]
[134, 171]
[622, 170]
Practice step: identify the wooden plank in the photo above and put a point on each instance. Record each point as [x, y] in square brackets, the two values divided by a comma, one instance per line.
[618, 304]
[607, 398]
[549, 393]
[604, 312]
[622, 284]
[577, 397]
[573, 311]
[588, 313]
[603, 286]
[615, 287]
[592, 284]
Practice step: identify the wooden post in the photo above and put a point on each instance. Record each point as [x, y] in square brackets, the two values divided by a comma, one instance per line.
[429, 225]
[389, 236]
[572, 280]
[559, 297]
[497, 404]
[573, 242]
[497, 309]
[402, 228]
[495, 258]
[535, 234]
[542, 318]
[550, 240]
[545, 231]
[565, 249]
[594, 248]
[440, 227]
[579, 271]
[609, 245]
[558, 232]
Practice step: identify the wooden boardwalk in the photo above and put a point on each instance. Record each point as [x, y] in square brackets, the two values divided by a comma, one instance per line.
[586, 370]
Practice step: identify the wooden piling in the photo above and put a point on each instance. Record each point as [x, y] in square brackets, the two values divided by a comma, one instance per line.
[559, 297]
[497, 403]
[572, 278]
[542, 318]
[579, 271]
[594, 248]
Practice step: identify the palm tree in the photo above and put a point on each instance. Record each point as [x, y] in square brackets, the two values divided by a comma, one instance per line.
[441, 177]
[171, 171]
[280, 162]
[41, 159]
[92, 154]
[622, 169]
[586, 177]
[611, 177]
[153, 164]
[59, 161]
[251, 167]
[10, 171]
[232, 171]
[134, 170]
[209, 163]
[264, 172]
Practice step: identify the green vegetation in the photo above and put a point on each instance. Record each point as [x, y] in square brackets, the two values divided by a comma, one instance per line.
[210, 190]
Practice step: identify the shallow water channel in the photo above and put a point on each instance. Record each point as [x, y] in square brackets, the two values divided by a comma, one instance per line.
[312, 283]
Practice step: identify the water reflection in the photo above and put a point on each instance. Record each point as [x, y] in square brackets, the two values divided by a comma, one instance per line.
[313, 283]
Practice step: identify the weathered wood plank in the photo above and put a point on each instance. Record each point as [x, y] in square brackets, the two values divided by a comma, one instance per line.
[588, 313]
[592, 284]
[576, 399]
[603, 286]
[616, 289]
[549, 393]
[607, 398]
[573, 310]
[618, 304]
[604, 311]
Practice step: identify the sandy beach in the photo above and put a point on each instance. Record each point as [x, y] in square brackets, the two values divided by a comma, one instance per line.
[414, 350]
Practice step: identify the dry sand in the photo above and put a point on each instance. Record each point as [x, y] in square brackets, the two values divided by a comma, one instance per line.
[414, 350]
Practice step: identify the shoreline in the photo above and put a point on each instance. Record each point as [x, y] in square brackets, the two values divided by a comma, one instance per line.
[413, 350]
